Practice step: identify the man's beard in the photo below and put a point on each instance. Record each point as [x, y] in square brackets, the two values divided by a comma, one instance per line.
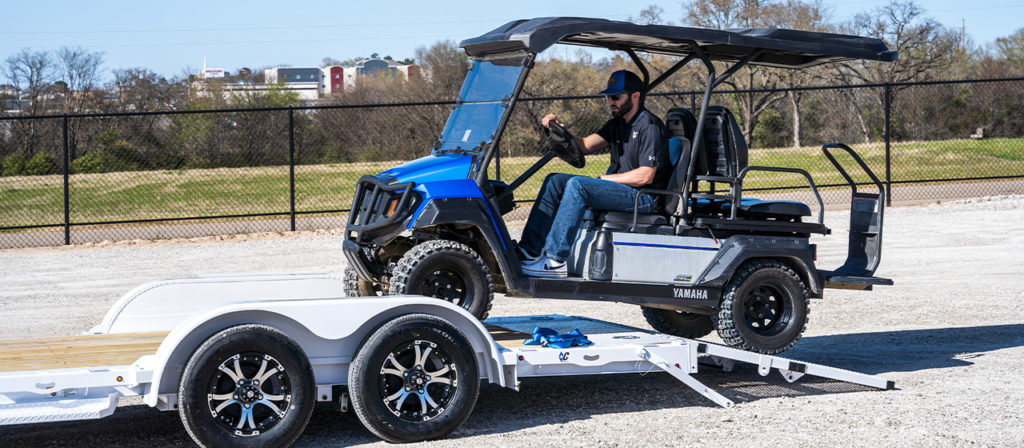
[623, 110]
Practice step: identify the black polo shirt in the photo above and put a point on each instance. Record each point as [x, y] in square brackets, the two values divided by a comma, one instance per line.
[643, 141]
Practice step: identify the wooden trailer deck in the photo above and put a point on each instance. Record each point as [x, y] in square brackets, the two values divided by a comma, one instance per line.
[92, 350]
[99, 350]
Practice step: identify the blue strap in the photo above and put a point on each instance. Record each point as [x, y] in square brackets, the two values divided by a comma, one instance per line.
[550, 338]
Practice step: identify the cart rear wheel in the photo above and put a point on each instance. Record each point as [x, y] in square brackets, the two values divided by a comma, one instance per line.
[248, 385]
[764, 308]
[679, 323]
[414, 379]
[447, 270]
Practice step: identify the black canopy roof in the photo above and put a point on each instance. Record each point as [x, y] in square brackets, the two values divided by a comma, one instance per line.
[779, 47]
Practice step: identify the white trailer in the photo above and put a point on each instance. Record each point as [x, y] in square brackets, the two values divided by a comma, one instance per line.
[243, 359]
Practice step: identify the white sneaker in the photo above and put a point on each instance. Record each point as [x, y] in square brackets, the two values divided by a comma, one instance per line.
[546, 267]
[525, 258]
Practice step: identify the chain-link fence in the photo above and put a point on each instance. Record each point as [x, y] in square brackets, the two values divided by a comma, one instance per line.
[94, 177]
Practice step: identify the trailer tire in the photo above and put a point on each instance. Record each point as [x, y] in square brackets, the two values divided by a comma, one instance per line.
[447, 270]
[679, 323]
[355, 286]
[232, 408]
[764, 308]
[415, 378]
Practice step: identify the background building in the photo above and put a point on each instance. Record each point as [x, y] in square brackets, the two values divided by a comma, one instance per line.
[310, 83]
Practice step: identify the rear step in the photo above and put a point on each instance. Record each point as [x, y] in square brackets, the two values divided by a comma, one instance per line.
[837, 280]
[865, 244]
[56, 410]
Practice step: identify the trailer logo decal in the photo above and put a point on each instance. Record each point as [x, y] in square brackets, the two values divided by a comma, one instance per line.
[689, 293]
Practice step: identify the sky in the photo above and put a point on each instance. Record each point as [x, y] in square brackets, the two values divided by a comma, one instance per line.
[174, 38]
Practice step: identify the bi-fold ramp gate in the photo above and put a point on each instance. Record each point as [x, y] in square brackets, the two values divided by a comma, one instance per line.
[621, 349]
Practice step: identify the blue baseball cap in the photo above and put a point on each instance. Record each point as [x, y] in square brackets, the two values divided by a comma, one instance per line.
[623, 81]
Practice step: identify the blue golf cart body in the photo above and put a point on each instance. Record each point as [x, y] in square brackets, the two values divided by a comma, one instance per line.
[434, 225]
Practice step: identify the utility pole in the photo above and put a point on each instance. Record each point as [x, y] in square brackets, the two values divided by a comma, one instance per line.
[963, 33]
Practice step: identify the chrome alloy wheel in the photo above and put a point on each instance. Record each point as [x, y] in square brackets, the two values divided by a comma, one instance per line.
[249, 394]
[418, 381]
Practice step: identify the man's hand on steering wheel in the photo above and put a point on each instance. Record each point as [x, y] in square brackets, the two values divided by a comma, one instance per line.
[562, 143]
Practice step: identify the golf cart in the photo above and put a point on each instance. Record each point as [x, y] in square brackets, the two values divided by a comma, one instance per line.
[709, 259]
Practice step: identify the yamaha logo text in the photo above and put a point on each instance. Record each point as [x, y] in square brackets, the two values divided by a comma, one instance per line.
[687, 293]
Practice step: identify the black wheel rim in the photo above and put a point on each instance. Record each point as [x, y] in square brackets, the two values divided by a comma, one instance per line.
[249, 393]
[766, 309]
[418, 381]
[447, 284]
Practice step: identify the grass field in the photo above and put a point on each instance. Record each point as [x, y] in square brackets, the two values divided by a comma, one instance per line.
[38, 200]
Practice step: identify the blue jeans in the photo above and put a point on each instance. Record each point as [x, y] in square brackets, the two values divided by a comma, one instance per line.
[558, 211]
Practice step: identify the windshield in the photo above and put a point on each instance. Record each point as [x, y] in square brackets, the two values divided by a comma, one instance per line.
[483, 101]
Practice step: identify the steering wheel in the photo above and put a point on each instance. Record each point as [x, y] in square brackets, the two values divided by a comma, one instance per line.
[562, 143]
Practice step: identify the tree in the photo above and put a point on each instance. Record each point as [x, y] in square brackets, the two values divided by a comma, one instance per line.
[1011, 48]
[796, 14]
[446, 65]
[650, 15]
[79, 70]
[139, 89]
[727, 14]
[30, 73]
[925, 49]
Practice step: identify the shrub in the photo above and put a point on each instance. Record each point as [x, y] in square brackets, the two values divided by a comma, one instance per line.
[109, 153]
[41, 164]
[101, 161]
[13, 164]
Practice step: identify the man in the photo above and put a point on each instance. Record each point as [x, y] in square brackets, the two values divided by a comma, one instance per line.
[639, 158]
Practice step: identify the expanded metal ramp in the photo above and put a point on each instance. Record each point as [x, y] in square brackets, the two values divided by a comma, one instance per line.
[622, 349]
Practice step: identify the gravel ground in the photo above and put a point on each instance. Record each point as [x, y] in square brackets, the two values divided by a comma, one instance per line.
[950, 333]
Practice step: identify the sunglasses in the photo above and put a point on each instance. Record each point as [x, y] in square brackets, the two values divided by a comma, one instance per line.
[618, 96]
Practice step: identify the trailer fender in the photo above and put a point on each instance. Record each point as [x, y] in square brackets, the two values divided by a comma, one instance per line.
[329, 331]
[161, 305]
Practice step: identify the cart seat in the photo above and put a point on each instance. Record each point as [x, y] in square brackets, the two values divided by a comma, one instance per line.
[680, 123]
[753, 208]
[725, 156]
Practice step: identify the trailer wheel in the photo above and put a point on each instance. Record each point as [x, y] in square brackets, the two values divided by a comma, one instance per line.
[764, 308]
[355, 286]
[447, 270]
[414, 379]
[246, 386]
[679, 323]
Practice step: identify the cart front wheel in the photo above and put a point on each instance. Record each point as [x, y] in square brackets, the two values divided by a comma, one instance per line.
[355, 286]
[447, 270]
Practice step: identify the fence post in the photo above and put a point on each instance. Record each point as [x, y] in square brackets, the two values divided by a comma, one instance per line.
[67, 182]
[888, 154]
[291, 162]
